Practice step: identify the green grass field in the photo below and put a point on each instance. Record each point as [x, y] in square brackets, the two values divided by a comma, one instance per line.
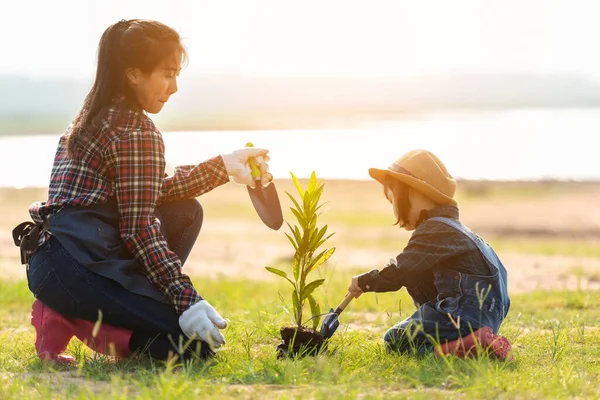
[555, 337]
[555, 333]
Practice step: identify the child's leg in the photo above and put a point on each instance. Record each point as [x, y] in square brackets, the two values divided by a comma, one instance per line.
[421, 332]
[429, 330]
[483, 340]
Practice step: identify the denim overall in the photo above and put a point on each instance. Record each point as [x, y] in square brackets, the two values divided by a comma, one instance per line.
[464, 302]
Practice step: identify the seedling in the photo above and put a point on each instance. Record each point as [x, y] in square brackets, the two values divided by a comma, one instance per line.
[306, 238]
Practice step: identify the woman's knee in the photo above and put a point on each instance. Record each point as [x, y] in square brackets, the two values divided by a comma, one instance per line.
[191, 207]
[197, 206]
[195, 209]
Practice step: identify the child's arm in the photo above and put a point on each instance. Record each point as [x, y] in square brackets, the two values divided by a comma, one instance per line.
[378, 281]
[431, 245]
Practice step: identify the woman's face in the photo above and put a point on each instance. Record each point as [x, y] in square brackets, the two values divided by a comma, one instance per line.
[154, 89]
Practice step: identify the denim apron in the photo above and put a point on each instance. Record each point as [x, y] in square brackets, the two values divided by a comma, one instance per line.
[464, 302]
[91, 236]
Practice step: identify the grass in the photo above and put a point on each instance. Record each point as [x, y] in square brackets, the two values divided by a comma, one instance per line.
[555, 336]
[555, 333]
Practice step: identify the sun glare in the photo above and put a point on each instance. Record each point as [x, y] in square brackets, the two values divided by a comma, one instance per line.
[379, 38]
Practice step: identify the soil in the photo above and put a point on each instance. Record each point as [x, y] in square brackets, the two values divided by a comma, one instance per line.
[299, 343]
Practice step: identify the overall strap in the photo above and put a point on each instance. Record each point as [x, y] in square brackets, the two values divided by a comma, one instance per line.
[488, 254]
[481, 245]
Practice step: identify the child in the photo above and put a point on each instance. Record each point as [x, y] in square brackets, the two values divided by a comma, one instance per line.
[454, 277]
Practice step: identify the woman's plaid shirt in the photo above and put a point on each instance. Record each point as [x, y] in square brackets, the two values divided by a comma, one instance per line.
[126, 159]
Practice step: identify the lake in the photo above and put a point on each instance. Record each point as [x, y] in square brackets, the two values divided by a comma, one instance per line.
[515, 144]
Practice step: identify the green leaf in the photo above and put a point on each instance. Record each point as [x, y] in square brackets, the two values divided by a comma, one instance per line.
[319, 207]
[296, 233]
[308, 289]
[321, 258]
[324, 240]
[296, 266]
[315, 311]
[299, 217]
[305, 240]
[306, 204]
[295, 202]
[317, 195]
[306, 237]
[312, 182]
[313, 223]
[279, 272]
[291, 241]
[298, 186]
[315, 239]
[313, 205]
[295, 304]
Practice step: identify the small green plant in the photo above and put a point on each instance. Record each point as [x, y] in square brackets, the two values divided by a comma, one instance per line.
[306, 237]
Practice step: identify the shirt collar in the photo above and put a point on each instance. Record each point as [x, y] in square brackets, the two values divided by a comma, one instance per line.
[121, 113]
[438, 211]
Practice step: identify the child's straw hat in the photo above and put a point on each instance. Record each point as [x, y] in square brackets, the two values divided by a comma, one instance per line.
[423, 171]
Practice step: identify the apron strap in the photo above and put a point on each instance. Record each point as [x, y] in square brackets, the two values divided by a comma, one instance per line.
[26, 236]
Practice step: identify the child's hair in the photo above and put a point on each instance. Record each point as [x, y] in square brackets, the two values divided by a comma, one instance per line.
[400, 191]
[135, 43]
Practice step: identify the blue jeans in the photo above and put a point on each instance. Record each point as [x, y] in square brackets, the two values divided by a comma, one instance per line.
[63, 284]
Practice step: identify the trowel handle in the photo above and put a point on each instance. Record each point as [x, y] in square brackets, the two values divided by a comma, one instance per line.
[253, 167]
[344, 303]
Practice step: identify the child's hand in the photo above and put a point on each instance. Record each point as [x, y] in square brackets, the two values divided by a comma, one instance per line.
[354, 289]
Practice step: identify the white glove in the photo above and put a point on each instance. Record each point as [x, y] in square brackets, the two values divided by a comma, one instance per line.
[239, 170]
[202, 320]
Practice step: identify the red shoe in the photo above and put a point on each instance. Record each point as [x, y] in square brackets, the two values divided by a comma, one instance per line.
[53, 333]
[483, 339]
[109, 340]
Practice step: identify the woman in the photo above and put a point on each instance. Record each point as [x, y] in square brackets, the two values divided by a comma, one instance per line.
[455, 278]
[111, 239]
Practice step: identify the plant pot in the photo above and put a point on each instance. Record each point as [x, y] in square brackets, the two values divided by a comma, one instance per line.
[299, 342]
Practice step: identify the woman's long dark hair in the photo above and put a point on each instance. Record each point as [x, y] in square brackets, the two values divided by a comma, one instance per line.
[136, 43]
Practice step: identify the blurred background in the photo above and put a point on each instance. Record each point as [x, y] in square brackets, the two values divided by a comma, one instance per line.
[506, 93]
[500, 90]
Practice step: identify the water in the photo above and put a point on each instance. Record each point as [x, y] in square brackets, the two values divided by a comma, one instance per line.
[519, 144]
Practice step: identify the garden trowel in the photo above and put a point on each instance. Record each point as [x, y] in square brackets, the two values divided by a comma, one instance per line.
[264, 198]
[331, 321]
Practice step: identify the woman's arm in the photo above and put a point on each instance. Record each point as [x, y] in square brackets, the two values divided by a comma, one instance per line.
[189, 181]
[137, 164]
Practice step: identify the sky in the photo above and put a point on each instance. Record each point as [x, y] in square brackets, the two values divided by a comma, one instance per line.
[371, 38]
[41, 38]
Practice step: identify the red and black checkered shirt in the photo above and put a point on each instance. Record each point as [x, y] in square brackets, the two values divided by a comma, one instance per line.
[125, 159]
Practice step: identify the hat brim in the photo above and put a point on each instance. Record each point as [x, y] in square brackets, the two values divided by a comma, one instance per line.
[415, 183]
